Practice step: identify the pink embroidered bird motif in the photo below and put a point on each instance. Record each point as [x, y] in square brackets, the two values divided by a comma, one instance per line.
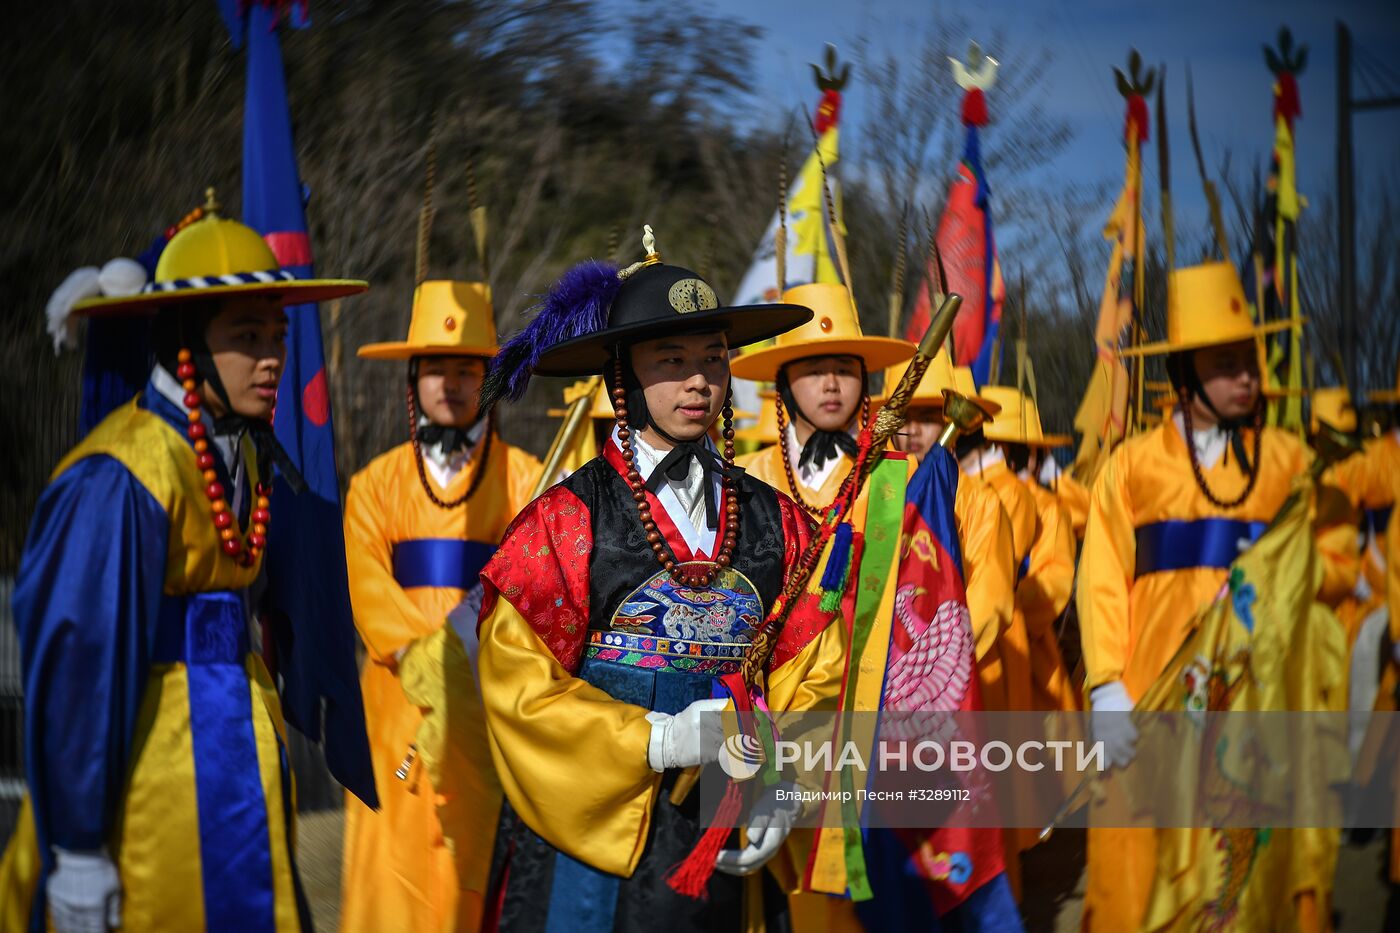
[932, 663]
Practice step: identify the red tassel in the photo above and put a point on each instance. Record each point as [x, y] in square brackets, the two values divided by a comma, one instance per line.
[974, 107]
[1137, 116]
[828, 111]
[1287, 104]
[692, 876]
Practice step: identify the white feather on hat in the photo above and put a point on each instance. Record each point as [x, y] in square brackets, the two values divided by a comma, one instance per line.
[119, 278]
[81, 283]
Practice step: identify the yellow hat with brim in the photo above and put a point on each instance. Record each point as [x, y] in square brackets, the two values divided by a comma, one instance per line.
[766, 430]
[1332, 405]
[601, 409]
[832, 331]
[449, 319]
[1206, 307]
[1017, 421]
[966, 386]
[929, 392]
[1387, 396]
[213, 258]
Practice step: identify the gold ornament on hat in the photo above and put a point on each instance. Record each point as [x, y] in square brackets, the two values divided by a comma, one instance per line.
[653, 257]
[690, 295]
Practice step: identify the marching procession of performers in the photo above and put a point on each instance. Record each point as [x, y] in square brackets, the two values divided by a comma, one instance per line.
[545, 646]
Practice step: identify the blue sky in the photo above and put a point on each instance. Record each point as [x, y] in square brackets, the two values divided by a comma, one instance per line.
[1221, 40]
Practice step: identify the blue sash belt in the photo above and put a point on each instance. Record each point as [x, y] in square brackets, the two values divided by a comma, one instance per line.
[206, 628]
[1185, 545]
[209, 633]
[440, 562]
[1378, 519]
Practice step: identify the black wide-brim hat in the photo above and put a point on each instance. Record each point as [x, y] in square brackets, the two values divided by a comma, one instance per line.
[658, 300]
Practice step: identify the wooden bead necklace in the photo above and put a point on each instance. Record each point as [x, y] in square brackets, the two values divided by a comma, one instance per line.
[478, 464]
[664, 555]
[246, 552]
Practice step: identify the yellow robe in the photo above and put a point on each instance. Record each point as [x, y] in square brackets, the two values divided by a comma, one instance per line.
[154, 839]
[1132, 624]
[1386, 693]
[1041, 598]
[1023, 515]
[421, 862]
[1075, 498]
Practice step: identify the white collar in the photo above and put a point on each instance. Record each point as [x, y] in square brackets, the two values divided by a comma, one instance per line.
[1049, 472]
[978, 460]
[1209, 441]
[445, 466]
[684, 501]
[813, 476]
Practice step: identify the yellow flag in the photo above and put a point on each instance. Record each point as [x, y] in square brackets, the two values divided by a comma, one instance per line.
[1265, 644]
[1102, 417]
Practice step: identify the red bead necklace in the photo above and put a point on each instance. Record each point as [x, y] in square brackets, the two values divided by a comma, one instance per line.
[246, 553]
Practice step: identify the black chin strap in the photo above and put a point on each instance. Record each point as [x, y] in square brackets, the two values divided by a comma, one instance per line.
[265, 442]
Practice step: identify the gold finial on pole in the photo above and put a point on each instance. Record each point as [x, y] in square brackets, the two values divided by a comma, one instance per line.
[211, 202]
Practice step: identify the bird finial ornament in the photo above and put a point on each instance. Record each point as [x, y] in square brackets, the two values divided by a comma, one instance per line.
[979, 72]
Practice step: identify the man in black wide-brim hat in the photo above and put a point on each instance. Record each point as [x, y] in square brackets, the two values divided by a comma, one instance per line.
[618, 602]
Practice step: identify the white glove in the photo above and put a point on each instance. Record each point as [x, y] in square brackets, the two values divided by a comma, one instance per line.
[1111, 723]
[769, 825]
[691, 737]
[84, 893]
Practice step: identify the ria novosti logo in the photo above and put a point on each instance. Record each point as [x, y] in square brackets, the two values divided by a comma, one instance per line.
[741, 756]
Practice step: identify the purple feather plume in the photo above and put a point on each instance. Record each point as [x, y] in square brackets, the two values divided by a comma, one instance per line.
[575, 306]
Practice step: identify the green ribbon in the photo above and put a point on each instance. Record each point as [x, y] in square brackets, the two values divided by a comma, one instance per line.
[884, 522]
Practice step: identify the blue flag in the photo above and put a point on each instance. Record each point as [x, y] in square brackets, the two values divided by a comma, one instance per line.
[307, 583]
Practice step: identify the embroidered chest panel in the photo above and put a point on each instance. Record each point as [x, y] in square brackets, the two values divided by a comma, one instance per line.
[663, 625]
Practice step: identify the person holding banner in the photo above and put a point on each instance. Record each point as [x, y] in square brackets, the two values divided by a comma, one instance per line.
[619, 612]
[1170, 511]
[420, 522]
[984, 530]
[821, 372]
[155, 746]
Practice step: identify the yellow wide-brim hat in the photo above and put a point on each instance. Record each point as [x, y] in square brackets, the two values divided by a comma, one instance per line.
[449, 319]
[1387, 396]
[929, 392]
[766, 430]
[966, 386]
[832, 331]
[1206, 307]
[1018, 420]
[1332, 405]
[213, 258]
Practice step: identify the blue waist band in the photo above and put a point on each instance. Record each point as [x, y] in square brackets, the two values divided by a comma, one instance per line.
[440, 562]
[204, 628]
[1185, 545]
[1378, 519]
